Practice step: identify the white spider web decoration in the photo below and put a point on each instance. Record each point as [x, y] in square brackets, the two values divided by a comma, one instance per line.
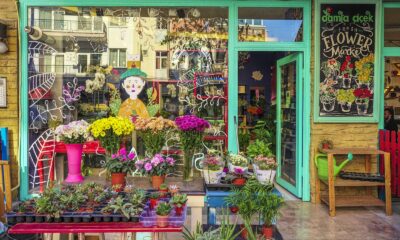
[39, 86]
[35, 47]
[41, 158]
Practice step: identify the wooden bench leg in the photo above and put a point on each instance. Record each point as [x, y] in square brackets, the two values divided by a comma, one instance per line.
[101, 236]
[81, 236]
[388, 189]
[331, 186]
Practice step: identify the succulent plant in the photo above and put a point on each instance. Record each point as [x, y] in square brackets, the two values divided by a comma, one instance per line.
[163, 209]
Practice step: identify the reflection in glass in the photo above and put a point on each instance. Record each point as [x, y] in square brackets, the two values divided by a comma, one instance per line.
[270, 24]
[78, 55]
[288, 122]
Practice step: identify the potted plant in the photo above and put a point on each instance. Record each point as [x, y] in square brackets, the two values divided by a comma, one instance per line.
[325, 144]
[265, 168]
[212, 169]
[73, 135]
[163, 209]
[345, 98]
[110, 132]
[191, 132]
[362, 100]
[153, 131]
[257, 148]
[119, 165]
[269, 210]
[327, 93]
[346, 70]
[173, 189]
[179, 202]
[163, 189]
[239, 179]
[156, 167]
[237, 161]
[154, 199]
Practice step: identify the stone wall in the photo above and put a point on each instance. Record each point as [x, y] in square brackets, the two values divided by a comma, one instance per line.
[342, 135]
[9, 116]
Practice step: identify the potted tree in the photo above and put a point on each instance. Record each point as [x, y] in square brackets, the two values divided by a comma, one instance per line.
[120, 164]
[265, 168]
[163, 210]
[156, 167]
[179, 202]
[269, 209]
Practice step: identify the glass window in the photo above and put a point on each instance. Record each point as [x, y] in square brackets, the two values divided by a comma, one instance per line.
[182, 50]
[392, 27]
[270, 24]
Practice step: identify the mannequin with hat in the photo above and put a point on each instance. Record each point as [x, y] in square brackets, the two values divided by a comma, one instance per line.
[132, 83]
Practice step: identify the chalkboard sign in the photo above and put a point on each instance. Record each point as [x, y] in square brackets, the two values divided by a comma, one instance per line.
[347, 56]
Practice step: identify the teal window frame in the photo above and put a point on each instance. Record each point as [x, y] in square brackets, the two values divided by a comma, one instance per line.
[233, 48]
[386, 52]
[377, 86]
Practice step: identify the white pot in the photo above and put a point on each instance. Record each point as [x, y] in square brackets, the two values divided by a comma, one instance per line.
[212, 177]
[264, 176]
[232, 168]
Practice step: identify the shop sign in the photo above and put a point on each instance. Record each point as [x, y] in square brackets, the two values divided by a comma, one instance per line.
[347, 34]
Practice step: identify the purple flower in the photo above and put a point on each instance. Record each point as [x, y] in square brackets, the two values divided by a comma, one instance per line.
[131, 155]
[155, 161]
[238, 171]
[170, 161]
[139, 164]
[114, 155]
[122, 151]
[148, 167]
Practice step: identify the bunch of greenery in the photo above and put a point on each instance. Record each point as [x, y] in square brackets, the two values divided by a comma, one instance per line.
[179, 200]
[49, 203]
[259, 147]
[225, 231]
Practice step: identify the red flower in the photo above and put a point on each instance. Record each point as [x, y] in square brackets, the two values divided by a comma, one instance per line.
[346, 75]
[348, 58]
[351, 65]
[362, 93]
[329, 10]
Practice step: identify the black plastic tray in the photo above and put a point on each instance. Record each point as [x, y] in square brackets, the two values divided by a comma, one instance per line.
[362, 176]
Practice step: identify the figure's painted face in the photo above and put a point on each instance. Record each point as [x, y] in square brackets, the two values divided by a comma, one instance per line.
[133, 86]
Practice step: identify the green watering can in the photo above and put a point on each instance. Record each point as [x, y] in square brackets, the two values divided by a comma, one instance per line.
[321, 161]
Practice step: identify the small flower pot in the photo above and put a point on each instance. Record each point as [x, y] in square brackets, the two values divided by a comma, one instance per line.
[67, 218]
[153, 203]
[97, 217]
[107, 218]
[267, 231]
[156, 181]
[163, 193]
[162, 221]
[29, 218]
[179, 210]
[124, 219]
[11, 218]
[118, 179]
[57, 219]
[243, 232]
[234, 209]
[239, 181]
[40, 218]
[134, 219]
[116, 218]
[19, 218]
[76, 218]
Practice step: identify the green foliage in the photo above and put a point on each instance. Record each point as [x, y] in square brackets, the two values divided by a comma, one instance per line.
[154, 195]
[117, 166]
[49, 203]
[266, 130]
[119, 206]
[179, 200]
[270, 209]
[244, 139]
[163, 209]
[163, 186]
[153, 140]
[226, 230]
[259, 147]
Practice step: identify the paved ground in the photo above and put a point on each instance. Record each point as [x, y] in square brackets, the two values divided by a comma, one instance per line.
[309, 221]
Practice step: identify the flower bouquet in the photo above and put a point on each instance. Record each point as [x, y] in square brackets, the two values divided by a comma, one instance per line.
[191, 131]
[156, 167]
[346, 70]
[73, 135]
[153, 132]
[363, 96]
[120, 164]
[212, 169]
[237, 161]
[365, 70]
[110, 132]
[265, 168]
[328, 95]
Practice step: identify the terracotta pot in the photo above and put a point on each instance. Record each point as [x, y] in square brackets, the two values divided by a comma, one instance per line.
[118, 179]
[239, 181]
[162, 221]
[243, 233]
[326, 146]
[234, 209]
[157, 181]
[178, 210]
[163, 193]
[267, 231]
[153, 203]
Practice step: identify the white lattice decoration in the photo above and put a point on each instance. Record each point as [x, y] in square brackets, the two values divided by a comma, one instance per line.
[41, 158]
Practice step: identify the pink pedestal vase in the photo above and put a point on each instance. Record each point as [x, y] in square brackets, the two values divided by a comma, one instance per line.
[74, 154]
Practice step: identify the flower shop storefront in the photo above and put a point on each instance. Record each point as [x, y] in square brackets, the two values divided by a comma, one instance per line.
[158, 66]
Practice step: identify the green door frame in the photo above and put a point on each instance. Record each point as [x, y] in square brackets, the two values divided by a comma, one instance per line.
[233, 47]
[298, 59]
[386, 52]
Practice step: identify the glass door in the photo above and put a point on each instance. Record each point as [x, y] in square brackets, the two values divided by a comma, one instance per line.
[289, 118]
